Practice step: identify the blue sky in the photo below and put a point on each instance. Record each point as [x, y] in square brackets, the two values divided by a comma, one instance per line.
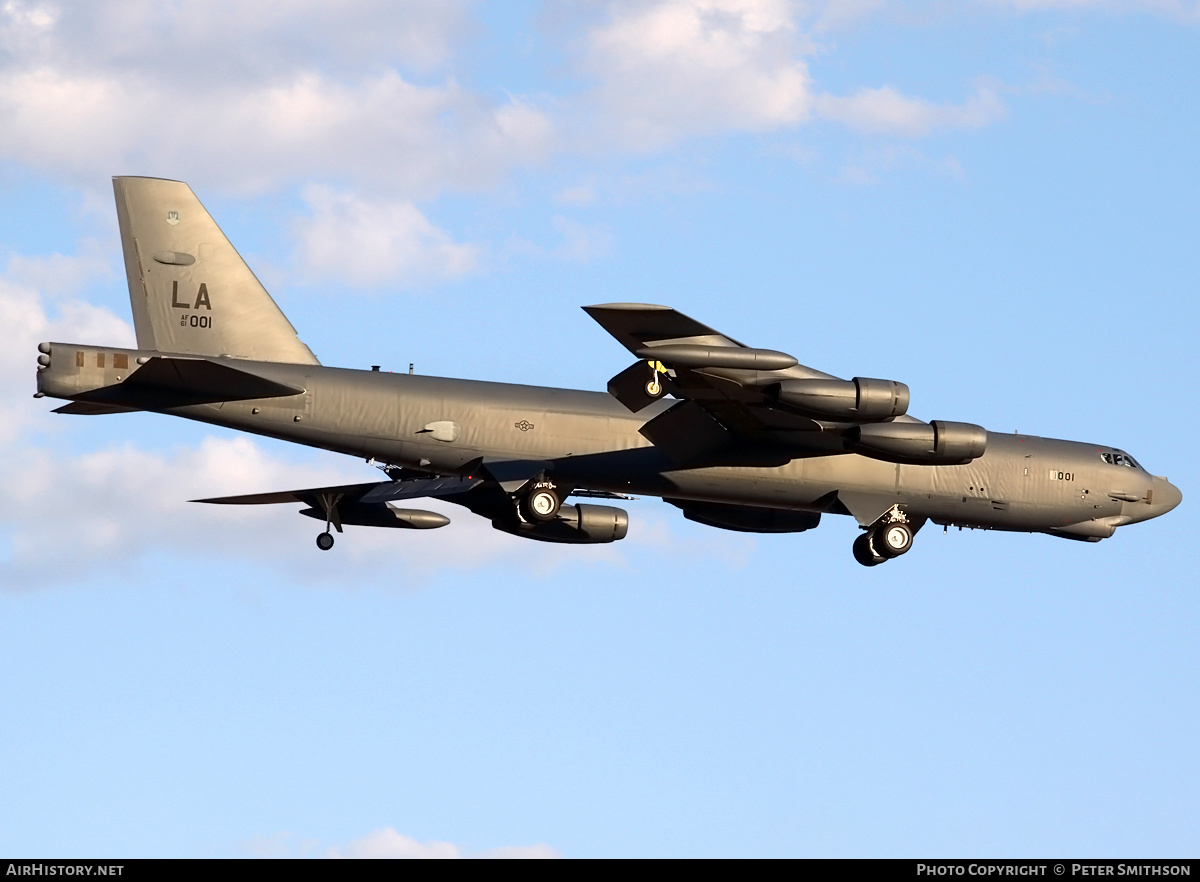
[994, 202]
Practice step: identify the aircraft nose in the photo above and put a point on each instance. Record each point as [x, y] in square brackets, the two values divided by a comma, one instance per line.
[1166, 496]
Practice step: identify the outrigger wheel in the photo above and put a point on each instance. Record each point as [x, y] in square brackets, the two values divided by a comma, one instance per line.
[325, 541]
[654, 388]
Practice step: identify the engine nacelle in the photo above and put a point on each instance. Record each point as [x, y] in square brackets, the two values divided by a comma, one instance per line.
[859, 399]
[575, 525]
[936, 443]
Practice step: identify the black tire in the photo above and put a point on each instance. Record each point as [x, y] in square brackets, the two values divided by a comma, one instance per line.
[892, 540]
[325, 541]
[541, 505]
[864, 553]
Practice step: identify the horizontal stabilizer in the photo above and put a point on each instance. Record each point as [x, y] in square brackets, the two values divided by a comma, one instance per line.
[92, 408]
[164, 382]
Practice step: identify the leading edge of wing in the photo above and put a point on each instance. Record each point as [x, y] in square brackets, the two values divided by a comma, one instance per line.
[347, 490]
[375, 492]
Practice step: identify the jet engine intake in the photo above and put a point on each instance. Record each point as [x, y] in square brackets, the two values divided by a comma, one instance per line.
[936, 443]
[579, 524]
[862, 398]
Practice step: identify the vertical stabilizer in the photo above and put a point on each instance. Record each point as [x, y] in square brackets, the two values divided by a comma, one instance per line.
[191, 292]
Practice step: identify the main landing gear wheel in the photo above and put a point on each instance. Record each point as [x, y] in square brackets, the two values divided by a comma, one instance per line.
[325, 541]
[542, 505]
[864, 553]
[892, 540]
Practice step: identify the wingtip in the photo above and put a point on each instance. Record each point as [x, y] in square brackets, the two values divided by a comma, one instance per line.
[627, 307]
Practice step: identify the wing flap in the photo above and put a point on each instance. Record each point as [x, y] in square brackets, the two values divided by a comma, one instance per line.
[439, 488]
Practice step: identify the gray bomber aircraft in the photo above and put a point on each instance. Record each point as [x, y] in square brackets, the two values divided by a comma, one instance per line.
[736, 437]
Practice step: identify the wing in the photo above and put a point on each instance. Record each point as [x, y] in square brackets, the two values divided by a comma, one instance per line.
[367, 504]
[731, 392]
[487, 495]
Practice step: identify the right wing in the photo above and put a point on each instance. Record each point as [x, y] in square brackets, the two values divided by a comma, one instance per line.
[729, 391]
[760, 406]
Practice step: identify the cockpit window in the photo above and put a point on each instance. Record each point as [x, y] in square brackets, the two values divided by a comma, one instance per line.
[1119, 457]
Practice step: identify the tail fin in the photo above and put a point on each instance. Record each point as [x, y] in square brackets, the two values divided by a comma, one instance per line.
[192, 294]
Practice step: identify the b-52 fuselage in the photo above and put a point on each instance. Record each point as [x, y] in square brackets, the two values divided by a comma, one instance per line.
[738, 438]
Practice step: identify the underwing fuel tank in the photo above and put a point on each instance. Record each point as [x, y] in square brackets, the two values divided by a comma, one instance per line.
[382, 514]
[936, 443]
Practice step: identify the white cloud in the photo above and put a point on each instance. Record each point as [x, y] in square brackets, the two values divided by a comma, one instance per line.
[228, 39]
[581, 195]
[369, 243]
[871, 165]
[1182, 9]
[23, 317]
[387, 843]
[57, 275]
[89, 90]
[581, 242]
[377, 129]
[886, 111]
[835, 14]
[674, 68]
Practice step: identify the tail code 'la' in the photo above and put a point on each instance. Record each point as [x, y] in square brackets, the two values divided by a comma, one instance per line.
[191, 292]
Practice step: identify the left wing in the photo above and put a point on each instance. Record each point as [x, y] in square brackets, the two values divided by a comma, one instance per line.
[366, 504]
[370, 504]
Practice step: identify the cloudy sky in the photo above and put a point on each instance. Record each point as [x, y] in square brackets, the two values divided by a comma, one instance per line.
[991, 200]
